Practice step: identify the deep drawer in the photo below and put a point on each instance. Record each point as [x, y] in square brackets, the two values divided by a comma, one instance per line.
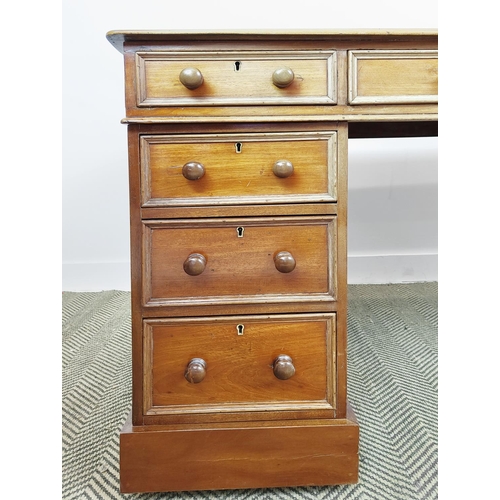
[221, 78]
[247, 261]
[242, 364]
[203, 169]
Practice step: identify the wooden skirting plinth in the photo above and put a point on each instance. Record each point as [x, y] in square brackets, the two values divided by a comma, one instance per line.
[230, 456]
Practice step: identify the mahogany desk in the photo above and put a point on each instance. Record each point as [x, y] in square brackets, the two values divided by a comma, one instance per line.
[238, 211]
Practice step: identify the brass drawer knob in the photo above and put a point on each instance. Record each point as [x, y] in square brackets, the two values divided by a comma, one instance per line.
[195, 264]
[283, 168]
[191, 78]
[283, 77]
[284, 262]
[193, 171]
[283, 367]
[195, 371]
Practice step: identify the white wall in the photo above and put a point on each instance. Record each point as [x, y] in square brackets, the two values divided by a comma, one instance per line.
[392, 183]
[393, 210]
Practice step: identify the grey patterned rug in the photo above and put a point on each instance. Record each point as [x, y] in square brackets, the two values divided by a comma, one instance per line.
[392, 384]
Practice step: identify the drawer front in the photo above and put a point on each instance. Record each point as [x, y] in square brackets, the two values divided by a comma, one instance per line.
[235, 78]
[236, 169]
[213, 261]
[393, 76]
[240, 364]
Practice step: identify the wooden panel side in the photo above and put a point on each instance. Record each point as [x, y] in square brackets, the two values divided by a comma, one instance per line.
[136, 258]
[341, 253]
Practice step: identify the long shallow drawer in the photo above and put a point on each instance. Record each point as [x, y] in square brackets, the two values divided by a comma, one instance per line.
[221, 78]
[242, 364]
[202, 169]
[246, 261]
[393, 76]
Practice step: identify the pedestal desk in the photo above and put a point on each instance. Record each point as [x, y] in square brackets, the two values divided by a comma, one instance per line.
[238, 208]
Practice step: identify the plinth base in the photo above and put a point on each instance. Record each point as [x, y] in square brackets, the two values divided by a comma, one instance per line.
[238, 455]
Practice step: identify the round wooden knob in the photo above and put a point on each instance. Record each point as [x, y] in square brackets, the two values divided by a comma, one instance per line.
[193, 171]
[195, 371]
[283, 168]
[191, 78]
[283, 367]
[195, 264]
[284, 262]
[283, 77]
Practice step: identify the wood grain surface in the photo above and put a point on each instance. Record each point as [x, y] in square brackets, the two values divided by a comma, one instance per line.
[238, 168]
[393, 76]
[239, 353]
[253, 455]
[239, 268]
[233, 77]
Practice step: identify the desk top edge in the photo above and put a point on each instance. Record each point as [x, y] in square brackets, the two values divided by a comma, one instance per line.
[118, 37]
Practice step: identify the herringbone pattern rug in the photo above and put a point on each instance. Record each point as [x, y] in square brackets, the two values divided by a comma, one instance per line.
[392, 387]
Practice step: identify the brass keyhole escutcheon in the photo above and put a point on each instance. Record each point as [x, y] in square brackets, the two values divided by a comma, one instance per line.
[240, 231]
[240, 329]
[238, 147]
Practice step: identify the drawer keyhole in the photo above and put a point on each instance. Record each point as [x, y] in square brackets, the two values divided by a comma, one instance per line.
[239, 329]
[240, 231]
[237, 65]
[238, 146]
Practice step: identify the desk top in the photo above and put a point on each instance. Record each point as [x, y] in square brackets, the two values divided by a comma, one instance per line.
[118, 37]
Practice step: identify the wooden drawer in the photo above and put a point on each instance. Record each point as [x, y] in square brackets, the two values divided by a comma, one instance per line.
[235, 78]
[393, 76]
[231, 261]
[241, 364]
[238, 169]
